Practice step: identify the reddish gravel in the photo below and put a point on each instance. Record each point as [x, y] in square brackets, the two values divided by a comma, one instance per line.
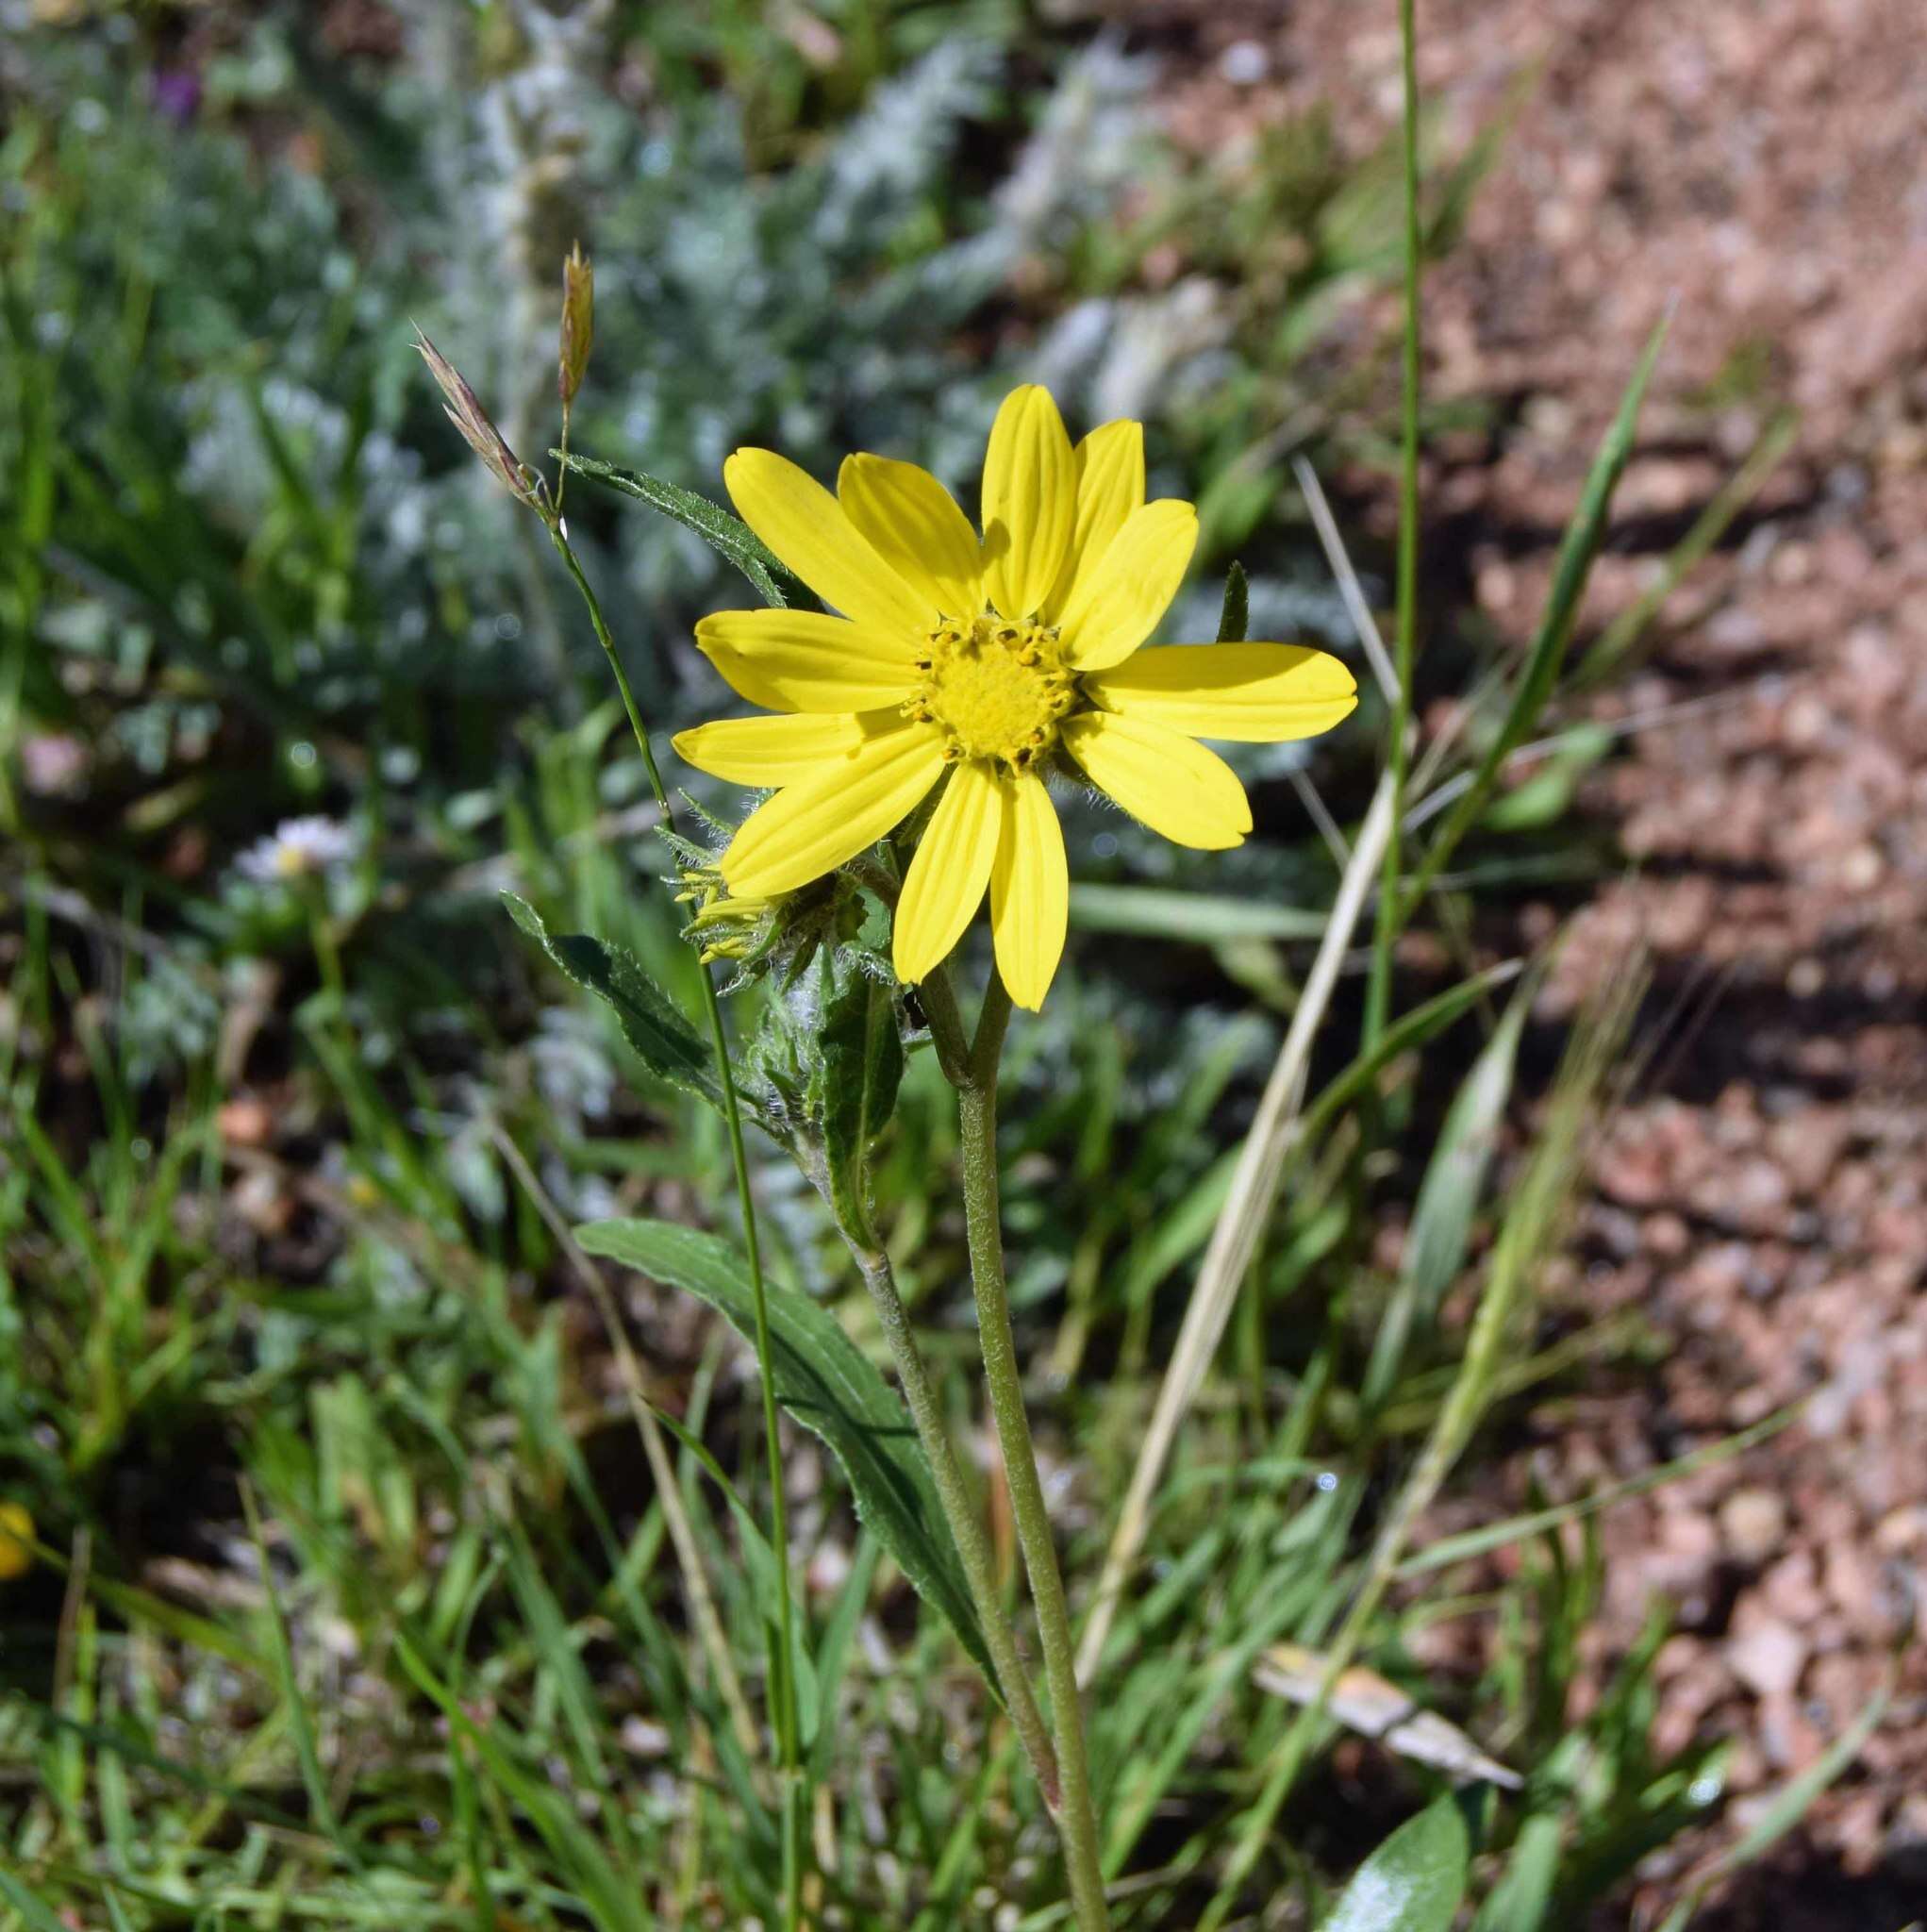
[1762, 1200]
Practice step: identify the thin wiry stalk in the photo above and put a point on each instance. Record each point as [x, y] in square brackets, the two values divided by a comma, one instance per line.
[782, 1676]
[1385, 932]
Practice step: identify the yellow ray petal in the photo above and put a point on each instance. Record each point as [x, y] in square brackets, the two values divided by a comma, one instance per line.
[947, 878]
[1030, 500]
[768, 751]
[1115, 608]
[806, 526]
[1110, 485]
[1258, 694]
[913, 523]
[1030, 891]
[803, 660]
[813, 827]
[1181, 791]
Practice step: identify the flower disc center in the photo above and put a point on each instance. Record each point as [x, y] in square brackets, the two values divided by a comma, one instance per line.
[999, 690]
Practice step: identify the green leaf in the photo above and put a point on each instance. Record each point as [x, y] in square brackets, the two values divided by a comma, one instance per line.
[1413, 1882]
[729, 537]
[651, 1021]
[1405, 1034]
[607, 1892]
[1170, 913]
[1795, 1798]
[832, 1388]
[1235, 619]
[35, 1913]
[862, 1063]
[1547, 796]
[1448, 1198]
[1547, 654]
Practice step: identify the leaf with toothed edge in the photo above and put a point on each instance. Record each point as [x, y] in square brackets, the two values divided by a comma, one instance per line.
[651, 1022]
[728, 536]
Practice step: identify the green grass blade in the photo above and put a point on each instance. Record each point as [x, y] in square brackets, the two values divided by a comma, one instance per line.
[1448, 1199]
[312, 1776]
[1547, 654]
[1475, 1543]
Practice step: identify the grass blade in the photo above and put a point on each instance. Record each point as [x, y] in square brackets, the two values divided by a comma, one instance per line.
[1547, 654]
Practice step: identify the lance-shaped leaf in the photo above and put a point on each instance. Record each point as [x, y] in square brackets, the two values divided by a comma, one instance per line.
[829, 1386]
[1413, 1882]
[1234, 620]
[1574, 566]
[728, 536]
[651, 1021]
[862, 1063]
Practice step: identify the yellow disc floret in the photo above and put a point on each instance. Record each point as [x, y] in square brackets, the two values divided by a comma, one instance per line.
[998, 690]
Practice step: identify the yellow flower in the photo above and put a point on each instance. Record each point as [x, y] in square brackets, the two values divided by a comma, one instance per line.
[982, 663]
[16, 1541]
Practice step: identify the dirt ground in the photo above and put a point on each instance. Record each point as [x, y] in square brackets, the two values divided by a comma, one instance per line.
[1763, 1199]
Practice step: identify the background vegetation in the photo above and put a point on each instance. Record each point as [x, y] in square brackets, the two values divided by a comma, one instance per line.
[356, 1597]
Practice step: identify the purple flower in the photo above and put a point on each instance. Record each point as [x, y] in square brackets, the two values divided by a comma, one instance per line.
[178, 94]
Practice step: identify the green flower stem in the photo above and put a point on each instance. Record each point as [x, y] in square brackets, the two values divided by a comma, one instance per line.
[782, 1676]
[977, 1113]
[966, 1529]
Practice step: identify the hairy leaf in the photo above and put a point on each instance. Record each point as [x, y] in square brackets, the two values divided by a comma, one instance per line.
[728, 536]
[862, 1063]
[651, 1021]
[832, 1388]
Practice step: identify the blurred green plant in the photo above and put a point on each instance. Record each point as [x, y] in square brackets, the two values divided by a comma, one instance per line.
[349, 1597]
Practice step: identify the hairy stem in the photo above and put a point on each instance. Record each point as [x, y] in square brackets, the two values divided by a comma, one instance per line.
[966, 1530]
[977, 1113]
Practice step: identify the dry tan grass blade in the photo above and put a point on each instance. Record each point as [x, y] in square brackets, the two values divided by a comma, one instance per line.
[1374, 1706]
[1248, 1207]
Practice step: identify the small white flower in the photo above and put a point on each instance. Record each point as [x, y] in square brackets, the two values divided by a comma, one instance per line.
[297, 849]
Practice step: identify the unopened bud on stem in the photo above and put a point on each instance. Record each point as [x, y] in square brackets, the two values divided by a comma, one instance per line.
[578, 323]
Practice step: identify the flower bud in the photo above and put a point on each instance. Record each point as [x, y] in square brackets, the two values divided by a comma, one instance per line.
[578, 323]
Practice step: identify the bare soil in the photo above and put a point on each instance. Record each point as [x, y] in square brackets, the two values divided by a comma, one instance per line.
[1762, 1199]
